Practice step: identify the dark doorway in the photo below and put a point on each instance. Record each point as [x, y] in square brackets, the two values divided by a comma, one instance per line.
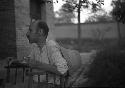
[35, 9]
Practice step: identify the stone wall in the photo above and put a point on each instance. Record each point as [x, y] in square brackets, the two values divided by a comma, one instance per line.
[89, 30]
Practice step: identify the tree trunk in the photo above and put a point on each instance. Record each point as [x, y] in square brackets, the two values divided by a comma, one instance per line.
[79, 28]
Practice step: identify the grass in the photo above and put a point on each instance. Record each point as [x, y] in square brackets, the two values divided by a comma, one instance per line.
[86, 44]
[108, 66]
[107, 69]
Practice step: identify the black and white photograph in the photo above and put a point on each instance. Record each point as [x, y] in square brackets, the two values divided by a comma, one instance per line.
[62, 43]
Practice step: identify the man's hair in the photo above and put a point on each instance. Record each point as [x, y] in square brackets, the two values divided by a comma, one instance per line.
[43, 26]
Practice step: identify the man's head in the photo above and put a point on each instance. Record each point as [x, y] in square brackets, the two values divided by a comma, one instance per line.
[38, 31]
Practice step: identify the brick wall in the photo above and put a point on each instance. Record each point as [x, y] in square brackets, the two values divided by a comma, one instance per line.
[22, 13]
[22, 17]
[7, 28]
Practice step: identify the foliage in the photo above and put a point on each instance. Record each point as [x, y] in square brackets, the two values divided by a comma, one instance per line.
[107, 68]
[99, 18]
[67, 12]
[67, 7]
[118, 11]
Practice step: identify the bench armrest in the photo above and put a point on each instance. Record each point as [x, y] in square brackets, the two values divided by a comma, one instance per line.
[47, 68]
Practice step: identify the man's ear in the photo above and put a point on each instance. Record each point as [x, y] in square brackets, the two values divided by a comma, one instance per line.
[33, 20]
[40, 32]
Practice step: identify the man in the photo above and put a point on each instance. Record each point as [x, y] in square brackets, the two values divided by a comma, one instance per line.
[48, 53]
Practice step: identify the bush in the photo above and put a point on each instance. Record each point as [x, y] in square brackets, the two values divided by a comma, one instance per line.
[107, 69]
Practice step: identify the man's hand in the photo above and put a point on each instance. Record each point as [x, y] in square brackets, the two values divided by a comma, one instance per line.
[30, 61]
[43, 66]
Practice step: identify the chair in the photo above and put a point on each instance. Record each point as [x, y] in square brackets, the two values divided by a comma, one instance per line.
[13, 63]
[45, 83]
[74, 62]
[63, 79]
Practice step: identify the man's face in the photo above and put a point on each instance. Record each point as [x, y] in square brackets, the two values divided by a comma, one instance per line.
[33, 35]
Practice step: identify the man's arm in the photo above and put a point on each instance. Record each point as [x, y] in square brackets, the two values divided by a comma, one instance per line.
[58, 60]
[43, 66]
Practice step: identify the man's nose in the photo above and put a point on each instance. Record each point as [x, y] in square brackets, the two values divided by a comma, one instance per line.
[27, 34]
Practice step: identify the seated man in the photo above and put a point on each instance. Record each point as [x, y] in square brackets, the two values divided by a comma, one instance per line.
[48, 53]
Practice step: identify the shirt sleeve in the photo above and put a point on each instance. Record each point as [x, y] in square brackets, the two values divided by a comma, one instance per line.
[58, 60]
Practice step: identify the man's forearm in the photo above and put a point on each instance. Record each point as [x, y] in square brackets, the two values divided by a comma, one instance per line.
[43, 66]
[49, 68]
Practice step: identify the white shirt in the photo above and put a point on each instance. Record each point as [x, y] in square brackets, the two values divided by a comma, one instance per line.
[50, 55]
